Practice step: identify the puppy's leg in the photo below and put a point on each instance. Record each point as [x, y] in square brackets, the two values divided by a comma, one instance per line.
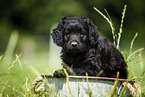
[59, 73]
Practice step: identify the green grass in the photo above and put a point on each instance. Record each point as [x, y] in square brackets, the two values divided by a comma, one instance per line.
[18, 71]
[133, 57]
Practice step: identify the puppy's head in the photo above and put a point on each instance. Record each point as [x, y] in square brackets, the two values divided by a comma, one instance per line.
[75, 34]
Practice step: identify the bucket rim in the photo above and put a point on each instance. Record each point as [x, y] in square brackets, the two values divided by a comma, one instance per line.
[89, 77]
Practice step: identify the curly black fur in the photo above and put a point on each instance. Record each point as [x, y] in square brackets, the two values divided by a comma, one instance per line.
[85, 51]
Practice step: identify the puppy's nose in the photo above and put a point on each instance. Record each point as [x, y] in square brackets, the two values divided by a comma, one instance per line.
[74, 44]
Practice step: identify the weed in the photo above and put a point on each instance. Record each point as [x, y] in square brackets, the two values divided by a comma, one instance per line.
[132, 58]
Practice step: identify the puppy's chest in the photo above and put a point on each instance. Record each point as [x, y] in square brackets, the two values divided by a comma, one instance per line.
[75, 62]
[88, 59]
[79, 63]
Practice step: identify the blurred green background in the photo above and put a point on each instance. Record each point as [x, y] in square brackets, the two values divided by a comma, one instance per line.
[26, 25]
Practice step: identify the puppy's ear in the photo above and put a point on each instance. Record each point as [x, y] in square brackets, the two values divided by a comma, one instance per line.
[93, 32]
[57, 34]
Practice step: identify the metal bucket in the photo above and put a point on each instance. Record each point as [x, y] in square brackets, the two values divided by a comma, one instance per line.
[79, 87]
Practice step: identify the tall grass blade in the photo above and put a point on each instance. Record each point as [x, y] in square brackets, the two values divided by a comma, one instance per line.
[67, 80]
[99, 73]
[4, 86]
[135, 62]
[11, 46]
[132, 42]
[113, 29]
[133, 58]
[141, 62]
[1, 57]
[143, 73]
[68, 68]
[125, 86]
[17, 59]
[27, 86]
[52, 90]
[138, 50]
[121, 26]
[89, 91]
[113, 91]
[35, 70]
[111, 25]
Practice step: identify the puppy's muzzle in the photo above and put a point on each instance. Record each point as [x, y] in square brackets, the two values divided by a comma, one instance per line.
[74, 44]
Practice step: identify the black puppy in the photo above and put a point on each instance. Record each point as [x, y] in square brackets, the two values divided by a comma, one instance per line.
[84, 51]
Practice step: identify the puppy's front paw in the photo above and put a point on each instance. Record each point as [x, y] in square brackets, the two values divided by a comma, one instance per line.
[59, 74]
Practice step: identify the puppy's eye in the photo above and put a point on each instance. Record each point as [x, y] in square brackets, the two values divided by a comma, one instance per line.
[66, 37]
[82, 36]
